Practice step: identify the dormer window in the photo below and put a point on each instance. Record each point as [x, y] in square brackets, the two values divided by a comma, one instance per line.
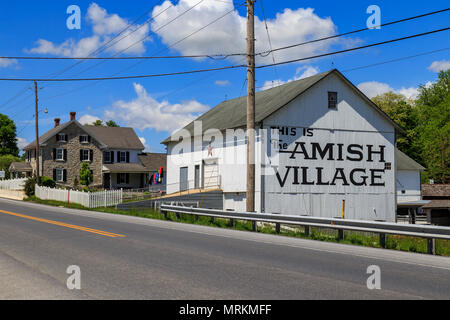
[332, 100]
[61, 137]
[85, 139]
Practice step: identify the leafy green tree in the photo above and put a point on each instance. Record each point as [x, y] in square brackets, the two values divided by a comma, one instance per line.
[5, 162]
[404, 113]
[434, 128]
[112, 123]
[98, 123]
[86, 176]
[8, 139]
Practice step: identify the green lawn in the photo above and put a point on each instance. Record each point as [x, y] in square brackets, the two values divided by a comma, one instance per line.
[394, 242]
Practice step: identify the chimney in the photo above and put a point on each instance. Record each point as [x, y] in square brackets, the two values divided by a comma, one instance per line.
[57, 122]
[73, 116]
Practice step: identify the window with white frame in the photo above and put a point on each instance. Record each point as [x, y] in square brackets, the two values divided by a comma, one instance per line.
[85, 155]
[84, 138]
[123, 156]
[59, 155]
[59, 175]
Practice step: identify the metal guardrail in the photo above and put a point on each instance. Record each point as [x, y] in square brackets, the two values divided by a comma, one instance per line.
[382, 228]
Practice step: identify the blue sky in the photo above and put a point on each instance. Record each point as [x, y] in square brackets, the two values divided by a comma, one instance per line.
[158, 105]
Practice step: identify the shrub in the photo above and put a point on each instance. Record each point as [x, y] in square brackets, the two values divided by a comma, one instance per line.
[86, 176]
[29, 186]
[47, 182]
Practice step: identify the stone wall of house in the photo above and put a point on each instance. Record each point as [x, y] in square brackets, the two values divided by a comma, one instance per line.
[73, 163]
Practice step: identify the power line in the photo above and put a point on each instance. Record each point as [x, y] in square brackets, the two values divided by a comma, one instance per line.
[266, 53]
[395, 60]
[228, 67]
[103, 46]
[148, 35]
[168, 47]
[90, 54]
[354, 49]
[223, 56]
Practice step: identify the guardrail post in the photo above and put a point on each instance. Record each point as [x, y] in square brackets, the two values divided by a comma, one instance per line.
[254, 226]
[340, 234]
[383, 240]
[431, 246]
[307, 231]
[278, 228]
[231, 223]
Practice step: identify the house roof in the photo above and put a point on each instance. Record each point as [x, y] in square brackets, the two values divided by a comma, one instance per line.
[436, 190]
[20, 167]
[154, 161]
[117, 137]
[406, 163]
[233, 113]
[438, 204]
[109, 137]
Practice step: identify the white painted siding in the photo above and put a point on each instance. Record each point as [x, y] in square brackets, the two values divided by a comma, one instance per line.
[352, 122]
[408, 186]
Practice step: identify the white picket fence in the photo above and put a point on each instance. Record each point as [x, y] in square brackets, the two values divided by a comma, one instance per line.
[14, 184]
[86, 199]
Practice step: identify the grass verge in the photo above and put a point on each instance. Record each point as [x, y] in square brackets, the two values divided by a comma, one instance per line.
[395, 242]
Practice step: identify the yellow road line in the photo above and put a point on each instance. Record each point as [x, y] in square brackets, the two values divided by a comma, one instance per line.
[103, 233]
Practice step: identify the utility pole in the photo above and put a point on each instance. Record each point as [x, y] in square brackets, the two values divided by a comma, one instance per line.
[250, 105]
[37, 132]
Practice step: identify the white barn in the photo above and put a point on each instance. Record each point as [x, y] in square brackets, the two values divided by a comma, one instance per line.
[320, 141]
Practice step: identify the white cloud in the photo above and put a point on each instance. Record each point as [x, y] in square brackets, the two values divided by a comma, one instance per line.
[145, 112]
[228, 34]
[144, 142]
[88, 119]
[4, 63]
[301, 73]
[438, 66]
[22, 142]
[104, 27]
[374, 88]
[222, 83]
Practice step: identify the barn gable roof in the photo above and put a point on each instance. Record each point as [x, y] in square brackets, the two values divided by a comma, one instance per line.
[233, 113]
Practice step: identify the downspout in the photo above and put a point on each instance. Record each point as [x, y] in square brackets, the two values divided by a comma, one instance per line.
[262, 160]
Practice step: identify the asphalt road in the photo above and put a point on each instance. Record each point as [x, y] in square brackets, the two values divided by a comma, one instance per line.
[123, 257]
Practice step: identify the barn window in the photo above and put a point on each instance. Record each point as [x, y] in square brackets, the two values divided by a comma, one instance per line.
[332, 100]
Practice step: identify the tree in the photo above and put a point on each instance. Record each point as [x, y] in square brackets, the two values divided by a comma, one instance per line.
[434, 127]
[5, 162]
[98, 123]
[8, 139]
[404, 113]
[86, 176]
[111, 123]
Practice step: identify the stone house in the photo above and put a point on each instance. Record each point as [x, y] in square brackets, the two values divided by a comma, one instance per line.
[114, 155]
